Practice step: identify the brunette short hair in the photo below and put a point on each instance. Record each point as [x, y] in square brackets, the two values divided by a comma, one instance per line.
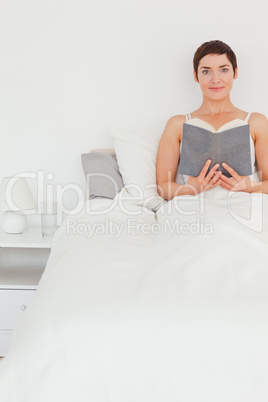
[214, 47]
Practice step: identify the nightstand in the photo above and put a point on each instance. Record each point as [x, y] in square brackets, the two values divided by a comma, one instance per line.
[23, 258]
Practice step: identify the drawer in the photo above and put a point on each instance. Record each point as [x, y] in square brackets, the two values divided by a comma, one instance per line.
[12, 305]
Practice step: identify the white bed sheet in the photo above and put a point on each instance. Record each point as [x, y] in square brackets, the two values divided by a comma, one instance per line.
[160, 313]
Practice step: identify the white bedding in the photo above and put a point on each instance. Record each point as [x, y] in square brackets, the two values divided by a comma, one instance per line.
[158, 313]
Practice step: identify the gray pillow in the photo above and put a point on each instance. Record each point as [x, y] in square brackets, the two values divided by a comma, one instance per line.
[102, 174]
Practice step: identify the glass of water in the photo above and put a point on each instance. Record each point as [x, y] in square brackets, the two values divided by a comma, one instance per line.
[49, 210]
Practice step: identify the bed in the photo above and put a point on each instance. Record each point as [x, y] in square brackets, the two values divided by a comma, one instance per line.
[148, 301]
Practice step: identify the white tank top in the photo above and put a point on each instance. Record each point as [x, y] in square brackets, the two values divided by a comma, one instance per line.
[233, 123]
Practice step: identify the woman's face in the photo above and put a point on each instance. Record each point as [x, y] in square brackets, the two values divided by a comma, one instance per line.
[215, 76]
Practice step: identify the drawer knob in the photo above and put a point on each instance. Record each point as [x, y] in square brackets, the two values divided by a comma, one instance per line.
[23, 307]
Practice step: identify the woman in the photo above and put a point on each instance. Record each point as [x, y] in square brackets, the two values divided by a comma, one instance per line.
[215, 68]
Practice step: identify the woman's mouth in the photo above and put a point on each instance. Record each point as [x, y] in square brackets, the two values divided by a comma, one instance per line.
[216, 88]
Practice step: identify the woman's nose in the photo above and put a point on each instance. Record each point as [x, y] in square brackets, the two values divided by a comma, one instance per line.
[215, 77]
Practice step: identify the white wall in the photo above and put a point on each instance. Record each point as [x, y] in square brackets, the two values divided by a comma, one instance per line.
[71, 68]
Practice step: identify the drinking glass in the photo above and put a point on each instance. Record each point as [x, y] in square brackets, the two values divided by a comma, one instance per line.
[49, 211]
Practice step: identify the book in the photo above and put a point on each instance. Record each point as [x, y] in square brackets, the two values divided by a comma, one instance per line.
[231, 146]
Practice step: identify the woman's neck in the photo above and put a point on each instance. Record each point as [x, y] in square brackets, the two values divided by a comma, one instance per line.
[213, 107]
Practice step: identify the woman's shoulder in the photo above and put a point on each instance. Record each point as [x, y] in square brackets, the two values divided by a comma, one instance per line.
[177, 119]
[174, 125]
[258, 120]
[176, 122]
[258, 124]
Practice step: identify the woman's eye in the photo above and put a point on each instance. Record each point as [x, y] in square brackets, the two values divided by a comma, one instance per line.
[205, 71]
[225, 70]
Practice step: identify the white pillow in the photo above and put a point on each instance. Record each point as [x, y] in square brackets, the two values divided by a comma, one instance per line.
[136, 153]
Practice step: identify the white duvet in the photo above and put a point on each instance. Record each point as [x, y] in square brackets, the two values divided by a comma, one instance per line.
[138, 308]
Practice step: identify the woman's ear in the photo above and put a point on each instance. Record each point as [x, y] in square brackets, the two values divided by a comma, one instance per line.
[195, 77]
[236, 73]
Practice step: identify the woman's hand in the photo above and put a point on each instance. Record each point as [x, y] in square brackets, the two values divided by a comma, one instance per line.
[236, 182]
[205, 182]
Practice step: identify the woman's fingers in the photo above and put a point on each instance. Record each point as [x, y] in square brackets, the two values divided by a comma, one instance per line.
[226, 186]
[216, 177]
[227, 180]
[215, 180]
[231, 171]
[203, 174]
[216, 184]
[212, 177]
[229, 183]
[210, 180]
[205, 169]
[205, 181]
[212, 172]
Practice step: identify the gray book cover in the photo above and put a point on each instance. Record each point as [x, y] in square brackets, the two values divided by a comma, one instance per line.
[231, 146]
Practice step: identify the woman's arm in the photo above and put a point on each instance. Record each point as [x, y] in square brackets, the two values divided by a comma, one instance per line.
[259, 131]
[167, 158]
[167, 164]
